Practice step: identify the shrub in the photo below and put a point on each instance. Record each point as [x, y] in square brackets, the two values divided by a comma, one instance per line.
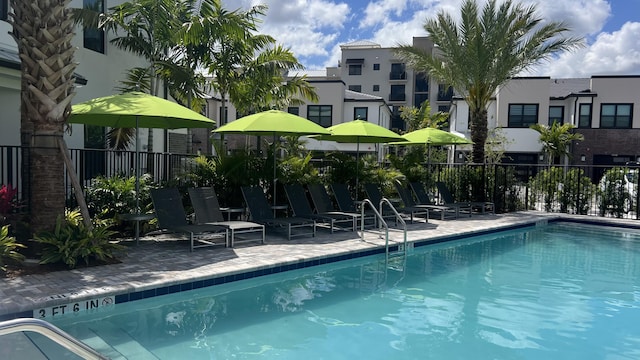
[71, 242]
[8, 248]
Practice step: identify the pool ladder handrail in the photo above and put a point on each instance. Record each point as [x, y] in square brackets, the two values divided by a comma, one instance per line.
[379, 218]
[53, 333]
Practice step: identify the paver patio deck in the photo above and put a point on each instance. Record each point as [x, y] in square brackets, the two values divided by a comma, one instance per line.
[163, 260]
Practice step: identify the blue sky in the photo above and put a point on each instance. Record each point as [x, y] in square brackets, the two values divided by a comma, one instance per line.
[314, 29]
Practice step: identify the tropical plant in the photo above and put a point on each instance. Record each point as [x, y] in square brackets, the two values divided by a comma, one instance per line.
[8, 248]
[556, 139]
[7, 200]
[495, 146]
[43, 31]
[484, 51]
[109, 197]
[298, 170]
[422, 117]
[547, 185]
[615, 198]
[72, 242]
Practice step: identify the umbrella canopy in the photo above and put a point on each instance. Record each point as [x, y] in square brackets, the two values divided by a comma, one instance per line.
[432, 136]
[272, 122]
[137, 109]
[359, 131]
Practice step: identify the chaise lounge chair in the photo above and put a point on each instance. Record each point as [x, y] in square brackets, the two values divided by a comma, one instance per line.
[207, 211]
[167, 203]
[323, 204]
[262, 213]
[407, 200]
[480, 206]
[300, 206]
[424, 199]
[375, 195]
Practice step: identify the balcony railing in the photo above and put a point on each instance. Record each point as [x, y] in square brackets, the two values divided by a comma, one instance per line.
[397, 75]
[397, 97]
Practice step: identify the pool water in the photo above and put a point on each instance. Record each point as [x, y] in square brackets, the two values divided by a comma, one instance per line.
[562, 291]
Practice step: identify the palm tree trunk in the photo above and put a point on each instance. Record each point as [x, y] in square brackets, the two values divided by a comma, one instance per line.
[47, 65]
[479, 133]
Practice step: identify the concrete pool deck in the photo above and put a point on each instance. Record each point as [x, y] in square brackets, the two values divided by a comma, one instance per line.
[161, 261]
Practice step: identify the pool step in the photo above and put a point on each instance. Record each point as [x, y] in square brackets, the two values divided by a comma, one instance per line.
[111, 341]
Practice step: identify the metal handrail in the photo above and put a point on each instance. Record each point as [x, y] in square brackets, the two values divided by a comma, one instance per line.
[384, 223]
[404, 223]
[53, 333]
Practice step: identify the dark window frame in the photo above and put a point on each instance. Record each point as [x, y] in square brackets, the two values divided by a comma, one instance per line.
[322, 120]
[376, 88]
[366, 113]
[295, 110]
[355, 69]
[376, 67]
[617, 118]
[584, 120]
[397, 95]
[521, 123]
[94, 39]
[356, 88]
[559, 120]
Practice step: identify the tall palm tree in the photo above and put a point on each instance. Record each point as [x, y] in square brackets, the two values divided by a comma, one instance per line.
[481, 53]
[556, 139]
[43, 30]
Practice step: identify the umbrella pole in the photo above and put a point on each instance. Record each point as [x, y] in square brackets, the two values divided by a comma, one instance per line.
[137, 171]
[357, 166]
[275, 180]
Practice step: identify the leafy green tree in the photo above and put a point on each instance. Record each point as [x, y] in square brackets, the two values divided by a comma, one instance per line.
[556, 139]
[484, 51]
[420, 118]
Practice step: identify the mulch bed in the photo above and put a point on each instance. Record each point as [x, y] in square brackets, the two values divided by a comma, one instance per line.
[15, 270]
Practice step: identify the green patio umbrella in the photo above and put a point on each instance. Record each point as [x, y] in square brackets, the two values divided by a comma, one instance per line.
[274, 123]
[359, 131]
[136, 110]
[431, 136]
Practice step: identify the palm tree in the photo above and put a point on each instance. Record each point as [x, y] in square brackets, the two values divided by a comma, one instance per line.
[556, 139]
[482, 52]
[47, 53]
[422, 117]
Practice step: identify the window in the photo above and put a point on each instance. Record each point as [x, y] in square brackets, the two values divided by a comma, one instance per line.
[615, 116]
[445, 92]
[4, 10]
[357, 88]
[556, 113]
[94, 38]
[360, 113]
[355, 69]
[397, 72]
[397, 93]
[422, 83]
[376, 67]
[584, 119]
[293, 110]
[443, 108]
[418, 99]
[223, 119]
[523, 115]
[320, 114]
[376, 87]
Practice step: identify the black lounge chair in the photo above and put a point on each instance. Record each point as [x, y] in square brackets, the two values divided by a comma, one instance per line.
[167, 203]
[375, 195]
[323, 204]
[261, 212]
[424, 199]
[480, 206]
[207, 211]
[407, 200]
[346, 203]
[300, 206]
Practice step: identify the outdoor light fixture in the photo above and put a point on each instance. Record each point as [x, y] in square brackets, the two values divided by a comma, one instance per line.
[583, 158]
[541, 157]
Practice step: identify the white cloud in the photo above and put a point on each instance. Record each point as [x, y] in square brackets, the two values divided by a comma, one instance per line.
[378, 12]
[616, 53]
[583, 17]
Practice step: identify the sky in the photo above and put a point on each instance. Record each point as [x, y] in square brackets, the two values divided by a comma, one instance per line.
[315, 29]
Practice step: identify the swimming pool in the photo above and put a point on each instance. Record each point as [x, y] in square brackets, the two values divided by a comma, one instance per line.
[553, 292]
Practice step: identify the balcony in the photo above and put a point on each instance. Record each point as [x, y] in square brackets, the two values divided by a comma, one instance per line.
[398, 75]
[397, 97]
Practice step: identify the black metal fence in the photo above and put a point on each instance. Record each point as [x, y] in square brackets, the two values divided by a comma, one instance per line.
[587, 190]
